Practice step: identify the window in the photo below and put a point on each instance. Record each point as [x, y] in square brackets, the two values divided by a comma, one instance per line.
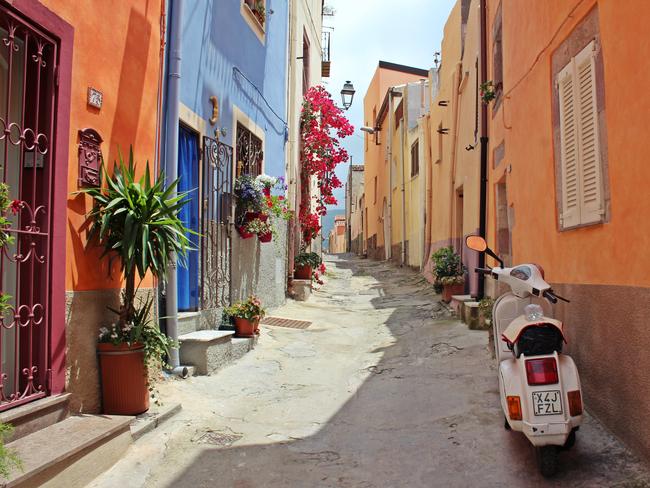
[250, 153]
[255, 15]
[415, 158]
[375, 193]
[439, 131]
[497, 58]
[305, 63]
[581, 169]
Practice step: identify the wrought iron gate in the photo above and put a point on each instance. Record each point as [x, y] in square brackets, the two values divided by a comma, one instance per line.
[27, 96]
[216, 228]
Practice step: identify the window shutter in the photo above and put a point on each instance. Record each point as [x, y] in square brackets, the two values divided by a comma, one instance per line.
[591, 194]
[570, 211]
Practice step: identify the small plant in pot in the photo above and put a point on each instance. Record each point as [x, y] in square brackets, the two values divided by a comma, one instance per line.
[305, 264]
[246, 315]
[449, 273]
[137, 224]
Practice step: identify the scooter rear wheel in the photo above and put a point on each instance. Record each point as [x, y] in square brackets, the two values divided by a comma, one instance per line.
[506, 424]
[547, 458]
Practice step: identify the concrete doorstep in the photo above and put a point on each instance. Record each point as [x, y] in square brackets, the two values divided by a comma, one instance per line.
[148, 421]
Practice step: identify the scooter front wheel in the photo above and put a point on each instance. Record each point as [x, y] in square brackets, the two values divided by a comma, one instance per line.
[547, 458]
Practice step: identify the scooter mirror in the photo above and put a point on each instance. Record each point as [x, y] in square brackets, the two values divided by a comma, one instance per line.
[477, 243]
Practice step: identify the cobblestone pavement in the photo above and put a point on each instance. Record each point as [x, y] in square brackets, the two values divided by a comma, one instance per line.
[383, 390]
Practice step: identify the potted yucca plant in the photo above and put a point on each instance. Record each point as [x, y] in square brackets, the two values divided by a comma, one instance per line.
[136, 222]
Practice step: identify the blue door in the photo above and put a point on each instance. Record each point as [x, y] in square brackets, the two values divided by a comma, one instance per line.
[188, 172]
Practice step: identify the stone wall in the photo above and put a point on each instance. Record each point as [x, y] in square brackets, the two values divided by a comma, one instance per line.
[261, 268]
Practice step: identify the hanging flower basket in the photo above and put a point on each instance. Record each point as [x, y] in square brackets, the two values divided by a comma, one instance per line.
[243, 233]
[266, 237]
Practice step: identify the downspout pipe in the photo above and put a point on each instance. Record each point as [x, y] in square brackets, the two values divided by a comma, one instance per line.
[171, 169]
[484, 148]
[388, 239]
[402, 142]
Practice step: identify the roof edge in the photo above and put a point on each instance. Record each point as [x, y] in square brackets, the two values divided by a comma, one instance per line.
[404, 69]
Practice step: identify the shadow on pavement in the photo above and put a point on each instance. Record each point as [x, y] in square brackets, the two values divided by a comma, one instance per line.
[428, 415]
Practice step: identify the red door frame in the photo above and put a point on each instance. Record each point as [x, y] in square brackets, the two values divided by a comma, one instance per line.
[64, 32]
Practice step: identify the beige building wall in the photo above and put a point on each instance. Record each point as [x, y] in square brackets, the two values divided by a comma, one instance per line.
[305, 23]
[454, 138]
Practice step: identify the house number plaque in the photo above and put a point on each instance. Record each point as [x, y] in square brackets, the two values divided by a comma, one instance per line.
[90, 157]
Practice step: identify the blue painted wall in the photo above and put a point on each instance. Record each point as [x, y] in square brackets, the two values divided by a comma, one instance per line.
[217, 38]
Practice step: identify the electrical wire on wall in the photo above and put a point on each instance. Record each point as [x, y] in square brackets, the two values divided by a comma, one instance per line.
[236, 71]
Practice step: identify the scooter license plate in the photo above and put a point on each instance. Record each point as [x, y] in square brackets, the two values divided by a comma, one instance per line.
[547, 402]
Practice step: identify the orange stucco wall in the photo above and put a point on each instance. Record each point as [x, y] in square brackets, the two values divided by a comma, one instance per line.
[375, 155]
[116, 50]
[611, 253]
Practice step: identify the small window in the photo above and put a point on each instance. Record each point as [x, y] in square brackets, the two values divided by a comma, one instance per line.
[375, 194]
[497, 58]
[250, 152]
[415, 158]
[581, 172]
[255, 14]
[306, 81]
[365, 138]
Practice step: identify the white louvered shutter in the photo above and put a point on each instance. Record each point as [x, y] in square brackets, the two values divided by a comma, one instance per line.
[570, 164]
[591, 194]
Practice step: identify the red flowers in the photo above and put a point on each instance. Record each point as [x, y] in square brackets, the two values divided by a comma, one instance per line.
[321, 153]
[15, 206]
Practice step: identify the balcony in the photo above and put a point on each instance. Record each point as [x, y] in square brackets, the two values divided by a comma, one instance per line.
[325, 68]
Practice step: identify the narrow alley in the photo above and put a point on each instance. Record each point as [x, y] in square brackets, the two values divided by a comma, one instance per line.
[382, 390]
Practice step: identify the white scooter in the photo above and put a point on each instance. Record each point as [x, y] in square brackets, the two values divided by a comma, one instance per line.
[539, 386]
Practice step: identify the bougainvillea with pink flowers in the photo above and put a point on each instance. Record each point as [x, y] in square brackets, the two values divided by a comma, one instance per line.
[322, 125]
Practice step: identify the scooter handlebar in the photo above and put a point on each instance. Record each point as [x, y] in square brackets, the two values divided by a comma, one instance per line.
[486, 271]
[553, 298]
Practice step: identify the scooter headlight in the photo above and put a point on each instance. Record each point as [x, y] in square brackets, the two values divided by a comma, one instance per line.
[533, 312]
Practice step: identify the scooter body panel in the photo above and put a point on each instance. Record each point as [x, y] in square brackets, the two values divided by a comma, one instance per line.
[544, 428]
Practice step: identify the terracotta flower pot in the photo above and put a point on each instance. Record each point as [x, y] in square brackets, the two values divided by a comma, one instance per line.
[244, 233]
[302, 272]
[449, 290]
[124, 379]
[268, 237]
[245, 328]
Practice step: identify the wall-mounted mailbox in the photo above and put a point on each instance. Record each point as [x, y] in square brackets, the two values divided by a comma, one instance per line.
[90, 157]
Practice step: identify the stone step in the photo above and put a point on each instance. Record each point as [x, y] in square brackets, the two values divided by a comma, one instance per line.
[70, 453]
[36, 415]
[457, 302]
[470, 314]
[206, 350]
[188, 322]
[301, 290]
[241, 345]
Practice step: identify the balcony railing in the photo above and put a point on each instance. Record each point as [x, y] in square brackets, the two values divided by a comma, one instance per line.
[325, 70]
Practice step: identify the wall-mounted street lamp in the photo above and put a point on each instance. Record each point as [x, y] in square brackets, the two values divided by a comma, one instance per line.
[347, 94]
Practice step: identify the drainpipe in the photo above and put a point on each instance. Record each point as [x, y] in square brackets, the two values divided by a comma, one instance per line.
[171, 169]
[388, 239]
[484, 148]
[401, 140]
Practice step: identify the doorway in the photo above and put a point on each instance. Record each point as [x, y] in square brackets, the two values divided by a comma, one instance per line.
[188, 172]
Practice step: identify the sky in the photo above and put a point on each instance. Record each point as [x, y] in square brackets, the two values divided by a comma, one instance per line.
[367, 31]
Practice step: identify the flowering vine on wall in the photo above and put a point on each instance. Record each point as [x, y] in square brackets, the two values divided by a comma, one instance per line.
[322, 125]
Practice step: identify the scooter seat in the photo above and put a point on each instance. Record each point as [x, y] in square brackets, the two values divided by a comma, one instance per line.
[536, 337]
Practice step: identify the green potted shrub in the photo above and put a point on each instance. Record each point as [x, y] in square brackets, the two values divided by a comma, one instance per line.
[246, 315]
[137, 224]
[305, 263]
[449, 273]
